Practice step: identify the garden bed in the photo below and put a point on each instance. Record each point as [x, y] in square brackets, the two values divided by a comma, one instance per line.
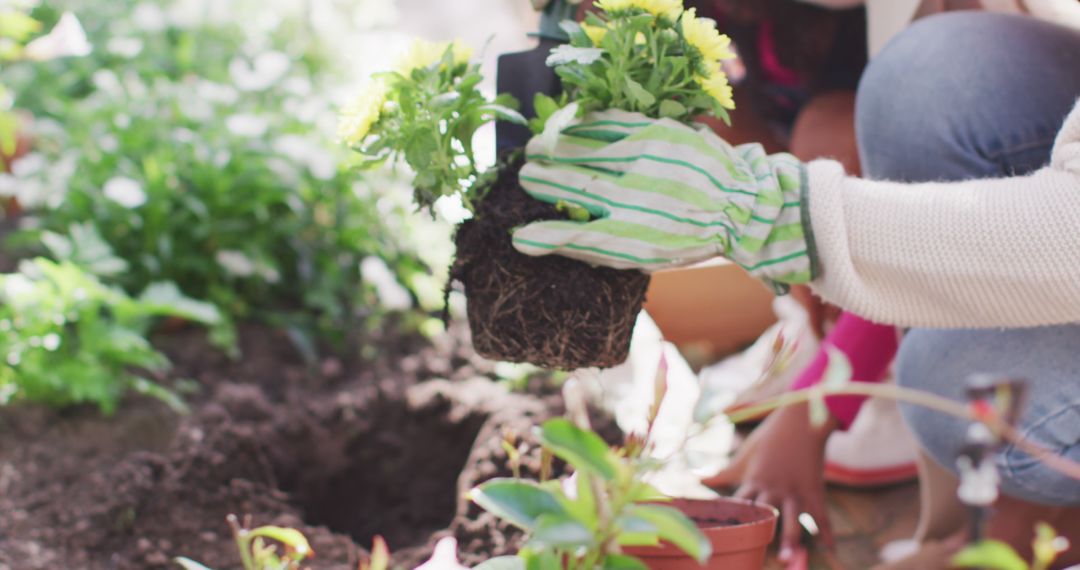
[341, 455]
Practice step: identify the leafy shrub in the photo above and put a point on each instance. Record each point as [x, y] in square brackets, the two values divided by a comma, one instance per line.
[65, 338]
[199, 161]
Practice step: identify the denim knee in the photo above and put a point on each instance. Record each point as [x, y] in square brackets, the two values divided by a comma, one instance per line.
[939, 362]
[950, 98]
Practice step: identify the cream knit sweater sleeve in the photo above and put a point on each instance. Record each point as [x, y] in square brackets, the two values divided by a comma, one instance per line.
[981, 253]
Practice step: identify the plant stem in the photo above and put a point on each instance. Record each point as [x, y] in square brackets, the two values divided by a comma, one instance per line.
[1060, 464]
[242, 542]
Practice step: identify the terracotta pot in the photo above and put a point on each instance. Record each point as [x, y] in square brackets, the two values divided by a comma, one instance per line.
[709, 310]
[739, 531]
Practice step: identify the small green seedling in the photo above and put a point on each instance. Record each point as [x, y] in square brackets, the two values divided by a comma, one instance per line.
[996, 555]
[259, 547]
[585, 520]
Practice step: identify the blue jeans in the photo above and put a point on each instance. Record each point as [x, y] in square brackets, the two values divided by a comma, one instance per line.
[974, 95]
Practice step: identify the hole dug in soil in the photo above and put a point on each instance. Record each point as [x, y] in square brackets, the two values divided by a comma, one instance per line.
[391, 471]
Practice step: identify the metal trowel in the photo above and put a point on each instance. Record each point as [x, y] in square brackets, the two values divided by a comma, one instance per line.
[524, 74]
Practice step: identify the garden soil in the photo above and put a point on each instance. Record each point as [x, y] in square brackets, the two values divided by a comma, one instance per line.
[550, 311]
[343, 455]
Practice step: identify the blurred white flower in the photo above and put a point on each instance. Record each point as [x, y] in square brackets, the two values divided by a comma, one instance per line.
[149, 17]
[125, 191]
[192, 13]
[109, 143]
[125, 47]
[67, 39]
[51, 342]
[308, 152]
[183, 135]
[264, 71]
[247, 125]
[9, 186]
[217, 92]
[451, 209]
[236, 263]
[16, 285]
[445, 557]
[106, 81]
[28, 165]
[391, 294]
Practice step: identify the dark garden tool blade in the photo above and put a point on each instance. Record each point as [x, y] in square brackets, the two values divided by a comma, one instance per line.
[524, 74]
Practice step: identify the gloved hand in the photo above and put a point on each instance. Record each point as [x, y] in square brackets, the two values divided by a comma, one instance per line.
[661, 194]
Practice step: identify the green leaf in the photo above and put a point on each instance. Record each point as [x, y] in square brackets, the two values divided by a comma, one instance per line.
[1047, 545]
[567, 54]
[545, 106]
[819, 411]
[676, 528]
[561, 531]
[9, 132]
[540, 560]
[643, 492]
[639, 93]
[520, 503]
[189, 564]
[582, 449]
[502, 563]
[292, 539]
[506, 114]
[17, 26]
[162, 394]
[380, 555]
[991, 555]
[623, 562]
[671, 109]
[165, 298]
[838, 373]
[583, 507]
[636, 531]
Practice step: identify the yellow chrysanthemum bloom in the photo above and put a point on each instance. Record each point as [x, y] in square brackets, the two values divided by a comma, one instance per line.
[703, 35]
[358, 117]
[595, 33]
[669, 8]
[717, 86]
[423, 54]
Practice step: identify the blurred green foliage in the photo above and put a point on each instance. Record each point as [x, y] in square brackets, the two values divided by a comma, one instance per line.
[65, 338]
[197, 150]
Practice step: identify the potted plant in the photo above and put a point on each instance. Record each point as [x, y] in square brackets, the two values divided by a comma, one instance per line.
[607, 514]
[641, 56]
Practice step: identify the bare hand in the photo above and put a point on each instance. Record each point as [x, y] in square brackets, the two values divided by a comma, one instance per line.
[783, 464]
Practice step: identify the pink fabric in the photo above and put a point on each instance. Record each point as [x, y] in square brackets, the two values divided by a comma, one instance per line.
[870, 347]
[775, 72]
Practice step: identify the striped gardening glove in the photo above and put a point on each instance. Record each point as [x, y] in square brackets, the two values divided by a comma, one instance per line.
[661, 194]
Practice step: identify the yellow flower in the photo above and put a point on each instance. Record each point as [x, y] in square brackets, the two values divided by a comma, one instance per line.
[717, 86]
[424, 54]
[358, 117]
[595, 33]
[703, 35]
[668, 8]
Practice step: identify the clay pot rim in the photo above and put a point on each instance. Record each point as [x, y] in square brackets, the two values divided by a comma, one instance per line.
[768, 512]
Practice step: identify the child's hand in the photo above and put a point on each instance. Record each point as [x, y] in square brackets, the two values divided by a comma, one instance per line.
[783, 464]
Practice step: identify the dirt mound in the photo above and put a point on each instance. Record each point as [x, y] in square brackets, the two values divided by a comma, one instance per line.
[375, 451]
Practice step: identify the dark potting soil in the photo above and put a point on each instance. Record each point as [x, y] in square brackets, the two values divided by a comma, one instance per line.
[550, 311]
[341, 455]
[715, 522]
